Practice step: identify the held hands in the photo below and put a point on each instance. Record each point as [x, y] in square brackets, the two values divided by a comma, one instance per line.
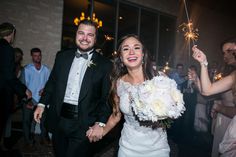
[38, 113]
[199, 55]
[95, 133]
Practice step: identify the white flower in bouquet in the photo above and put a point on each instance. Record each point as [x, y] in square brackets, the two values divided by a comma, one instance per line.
[157, 99]
[159, 108]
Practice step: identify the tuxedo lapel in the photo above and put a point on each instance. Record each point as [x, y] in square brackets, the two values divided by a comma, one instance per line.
[68, 60]
[87, 80]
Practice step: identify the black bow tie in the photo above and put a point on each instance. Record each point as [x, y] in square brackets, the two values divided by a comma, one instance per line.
[78, 55]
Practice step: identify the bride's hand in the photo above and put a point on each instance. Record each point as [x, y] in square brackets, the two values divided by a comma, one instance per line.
[95, 133]
[199, 55]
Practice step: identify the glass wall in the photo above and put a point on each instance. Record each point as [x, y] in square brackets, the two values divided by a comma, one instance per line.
[128, 20]
[149, 31]
[120, 18]
[106, 12]
[166, 39]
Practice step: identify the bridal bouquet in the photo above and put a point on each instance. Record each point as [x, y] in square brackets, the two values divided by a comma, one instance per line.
[157, 101]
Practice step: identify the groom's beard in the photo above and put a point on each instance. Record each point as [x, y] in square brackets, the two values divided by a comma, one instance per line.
[84, 50]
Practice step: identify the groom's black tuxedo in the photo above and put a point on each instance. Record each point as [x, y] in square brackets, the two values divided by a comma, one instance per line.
[92, 103]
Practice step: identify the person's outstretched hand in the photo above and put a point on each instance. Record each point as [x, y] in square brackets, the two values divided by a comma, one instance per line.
[38, 113]
[198, 55]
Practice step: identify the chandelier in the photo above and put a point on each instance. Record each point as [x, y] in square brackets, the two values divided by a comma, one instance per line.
[94, 19]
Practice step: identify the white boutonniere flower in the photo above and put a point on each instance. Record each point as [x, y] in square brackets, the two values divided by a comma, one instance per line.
[91, 63]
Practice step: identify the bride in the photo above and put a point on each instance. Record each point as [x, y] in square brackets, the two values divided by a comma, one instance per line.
[144, 98]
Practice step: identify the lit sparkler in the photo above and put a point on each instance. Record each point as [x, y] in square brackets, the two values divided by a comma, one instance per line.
[189, 32]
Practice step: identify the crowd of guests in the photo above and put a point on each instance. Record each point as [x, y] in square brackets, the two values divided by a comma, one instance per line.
[33, 77]
[73, 101]
[210, 105]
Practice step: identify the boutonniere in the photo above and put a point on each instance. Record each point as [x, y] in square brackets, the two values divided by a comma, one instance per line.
[91, 63]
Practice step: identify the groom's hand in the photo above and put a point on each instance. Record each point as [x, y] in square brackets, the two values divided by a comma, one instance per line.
[95, 133]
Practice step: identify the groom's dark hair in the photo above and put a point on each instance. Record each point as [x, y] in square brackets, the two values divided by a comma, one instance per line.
[89, 23]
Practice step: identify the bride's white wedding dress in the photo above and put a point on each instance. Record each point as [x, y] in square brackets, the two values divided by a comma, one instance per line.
[136, 140]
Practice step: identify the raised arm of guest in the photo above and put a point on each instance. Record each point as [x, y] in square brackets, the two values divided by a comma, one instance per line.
[208, 88]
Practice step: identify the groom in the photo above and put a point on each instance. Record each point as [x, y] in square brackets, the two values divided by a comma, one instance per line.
[75, 96]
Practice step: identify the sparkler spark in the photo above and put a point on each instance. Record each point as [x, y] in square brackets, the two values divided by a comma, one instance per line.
[189, 32]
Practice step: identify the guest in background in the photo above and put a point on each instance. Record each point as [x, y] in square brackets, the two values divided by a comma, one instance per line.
[208, 88]
[226, 102]
[9, 84]
[190, 98]
[18, 61]
[179, 76]
[34, 76]
[16, 103]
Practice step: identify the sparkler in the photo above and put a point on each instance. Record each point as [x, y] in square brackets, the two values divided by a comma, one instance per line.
[190, 33]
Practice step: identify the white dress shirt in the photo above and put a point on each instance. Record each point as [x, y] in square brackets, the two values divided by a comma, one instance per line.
[75, 78]
[76, 75]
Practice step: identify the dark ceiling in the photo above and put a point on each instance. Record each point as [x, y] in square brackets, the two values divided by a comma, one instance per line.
[226, 7]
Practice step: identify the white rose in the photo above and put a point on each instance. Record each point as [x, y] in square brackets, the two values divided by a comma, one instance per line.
[177, 96]
[159, 108]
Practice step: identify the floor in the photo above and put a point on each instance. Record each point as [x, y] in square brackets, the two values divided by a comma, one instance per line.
[197, 147]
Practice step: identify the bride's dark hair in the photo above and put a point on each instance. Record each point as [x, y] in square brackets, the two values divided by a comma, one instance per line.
[119, 69]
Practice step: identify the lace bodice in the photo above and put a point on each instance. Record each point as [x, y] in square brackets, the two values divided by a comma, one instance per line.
[123, 90]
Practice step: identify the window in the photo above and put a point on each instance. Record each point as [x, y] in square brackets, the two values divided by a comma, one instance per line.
[128, 20]
[166, 39]
[156, 30]
[107, 13]
[148, 31]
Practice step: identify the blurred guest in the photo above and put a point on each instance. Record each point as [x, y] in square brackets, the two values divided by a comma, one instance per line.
[18, 61]
[179, 76]
[9, 84]
[34, 76]
[190, 98]
[208, 88]
[220, 114]
[16, 102]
